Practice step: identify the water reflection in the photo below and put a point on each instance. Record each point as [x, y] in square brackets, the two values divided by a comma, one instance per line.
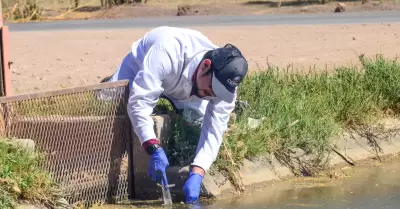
[366, 188]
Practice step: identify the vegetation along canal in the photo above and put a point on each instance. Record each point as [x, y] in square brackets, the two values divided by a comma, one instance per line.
[371, 186]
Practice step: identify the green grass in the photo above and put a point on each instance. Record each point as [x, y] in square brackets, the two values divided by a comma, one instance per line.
[301, 110]
[183, 142]
[305, 110]
[21, 176]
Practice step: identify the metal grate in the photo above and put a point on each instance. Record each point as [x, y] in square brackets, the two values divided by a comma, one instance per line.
[84, 133]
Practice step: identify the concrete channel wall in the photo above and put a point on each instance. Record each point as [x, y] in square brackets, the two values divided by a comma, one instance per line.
[145, 188]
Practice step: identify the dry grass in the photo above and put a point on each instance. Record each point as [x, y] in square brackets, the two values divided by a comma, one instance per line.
[51, 4]
[175, 3]
[32, 10]
[64, 4]
[43, 10]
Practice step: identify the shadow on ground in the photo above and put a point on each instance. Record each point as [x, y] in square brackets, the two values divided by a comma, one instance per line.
[88, 9]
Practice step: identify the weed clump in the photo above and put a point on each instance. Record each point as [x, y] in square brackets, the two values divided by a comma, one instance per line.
[304, 111]
[24, 11]
[21, 177]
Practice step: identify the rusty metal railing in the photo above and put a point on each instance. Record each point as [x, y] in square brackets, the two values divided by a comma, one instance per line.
[84, 133]
[5, 74]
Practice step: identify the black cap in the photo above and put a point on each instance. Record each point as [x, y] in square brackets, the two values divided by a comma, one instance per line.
[229, 69]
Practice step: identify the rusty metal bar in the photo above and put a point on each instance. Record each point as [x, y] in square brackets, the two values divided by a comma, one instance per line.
[58, 92]
[54, 118]
[130, 148]
[5, 61]
[6, 87]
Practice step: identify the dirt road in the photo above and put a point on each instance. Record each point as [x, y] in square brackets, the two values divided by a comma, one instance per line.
[213, 21]
[43, 60]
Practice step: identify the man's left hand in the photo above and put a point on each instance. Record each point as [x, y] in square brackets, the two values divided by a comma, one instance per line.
[192, 187]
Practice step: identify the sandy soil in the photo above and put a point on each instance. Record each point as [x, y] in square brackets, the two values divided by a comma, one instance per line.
[92, 10]
[221, 7]
[228, 8]
[44, 61]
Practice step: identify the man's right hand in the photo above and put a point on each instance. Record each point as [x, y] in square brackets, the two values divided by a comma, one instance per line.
[158, 164]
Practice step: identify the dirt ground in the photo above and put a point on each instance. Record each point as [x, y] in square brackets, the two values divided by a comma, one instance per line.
[227, 8]
[91, 9]
[243, 8]
[44, 61]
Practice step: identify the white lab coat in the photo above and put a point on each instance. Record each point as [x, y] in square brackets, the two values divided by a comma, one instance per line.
[163, 62]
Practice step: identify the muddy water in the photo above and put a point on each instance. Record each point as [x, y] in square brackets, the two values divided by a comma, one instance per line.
[372, 187]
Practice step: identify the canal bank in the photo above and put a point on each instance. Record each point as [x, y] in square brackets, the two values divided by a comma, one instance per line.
[372, 185]
[347, 149]
[369, 185]
[301, 125]
[350, 148]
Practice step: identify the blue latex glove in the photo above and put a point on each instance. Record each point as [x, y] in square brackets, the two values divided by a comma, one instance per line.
[157, 167]
[192, 188]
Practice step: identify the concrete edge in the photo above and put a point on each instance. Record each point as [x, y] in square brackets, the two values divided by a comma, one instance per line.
[347, 149]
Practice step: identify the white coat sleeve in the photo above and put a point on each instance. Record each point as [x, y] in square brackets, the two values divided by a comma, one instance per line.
[147, 87]
[214, 126]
